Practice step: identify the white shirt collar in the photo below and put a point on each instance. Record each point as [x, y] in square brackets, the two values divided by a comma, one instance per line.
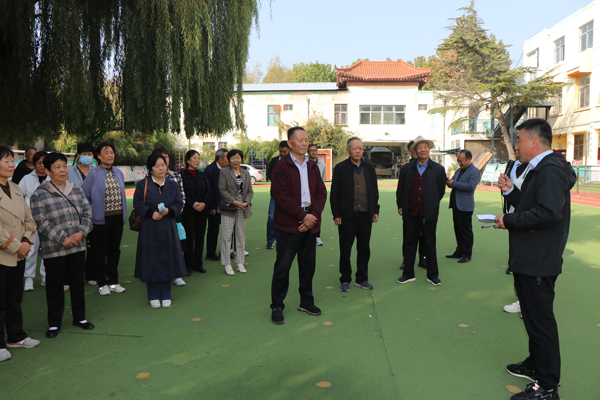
[536, 160]
[159, 184]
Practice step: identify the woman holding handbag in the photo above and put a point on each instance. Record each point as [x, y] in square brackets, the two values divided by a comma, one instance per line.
[236, 191]
[158, 259]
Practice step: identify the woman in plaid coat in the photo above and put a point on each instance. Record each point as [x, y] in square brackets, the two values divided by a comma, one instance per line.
[64, 219]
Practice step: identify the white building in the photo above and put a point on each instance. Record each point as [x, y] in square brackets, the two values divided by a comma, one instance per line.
[569, 47]
[378, 101]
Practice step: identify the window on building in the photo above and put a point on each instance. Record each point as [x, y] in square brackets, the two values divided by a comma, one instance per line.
[557, 108]
[288, 107]
[578, 148]
[559, 50]
[586, 40]
[382, 115]
[222, 145]
[422, 107]
[533, 60]
[537, 112]
[211, 145]
[340, 114]
[583, 83]
[274, 112]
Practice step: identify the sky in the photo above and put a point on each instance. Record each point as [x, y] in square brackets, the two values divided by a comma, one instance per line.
[342, 31]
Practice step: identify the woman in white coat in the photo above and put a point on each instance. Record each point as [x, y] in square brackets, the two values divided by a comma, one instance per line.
[28, 185]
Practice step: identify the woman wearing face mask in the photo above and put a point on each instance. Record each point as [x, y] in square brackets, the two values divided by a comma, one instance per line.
[77, 174]
[28, 185]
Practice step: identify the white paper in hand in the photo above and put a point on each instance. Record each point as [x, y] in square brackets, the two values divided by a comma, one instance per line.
[486, 218]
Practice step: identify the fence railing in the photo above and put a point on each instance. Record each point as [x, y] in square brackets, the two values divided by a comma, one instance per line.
[588, 180]
[479, 126]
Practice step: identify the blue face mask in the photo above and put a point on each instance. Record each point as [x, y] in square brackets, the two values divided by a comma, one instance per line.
[86, 160]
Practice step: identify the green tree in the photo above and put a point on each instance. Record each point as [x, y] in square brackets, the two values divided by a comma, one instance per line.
[475, 70]
[277, 73]
[326, 135]
[90, 67]
[254, 74]
[314, 72]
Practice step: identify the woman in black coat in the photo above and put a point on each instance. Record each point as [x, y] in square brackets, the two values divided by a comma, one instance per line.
[195, 212]
[158, 259]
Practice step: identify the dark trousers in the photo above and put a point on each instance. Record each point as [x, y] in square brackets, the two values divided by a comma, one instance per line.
[421, 244]
[107, 249]
[536, 295]
[212, 234]
[11, 294]
[463, 230]
[359, 228]
[194, 223]
[288, 246]
[414, 226]
[90, 260]
[71, 268]
[159, 290]
[271, 222]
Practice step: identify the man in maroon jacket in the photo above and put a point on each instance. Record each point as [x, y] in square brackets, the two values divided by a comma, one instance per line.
[300, 196]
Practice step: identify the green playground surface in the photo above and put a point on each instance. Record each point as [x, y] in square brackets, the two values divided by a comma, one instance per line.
[411, 342]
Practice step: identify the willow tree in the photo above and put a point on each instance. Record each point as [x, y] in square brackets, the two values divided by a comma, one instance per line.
[88, 67]
[474, 70]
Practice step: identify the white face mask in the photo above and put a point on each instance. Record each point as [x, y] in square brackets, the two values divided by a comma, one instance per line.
[86, 160]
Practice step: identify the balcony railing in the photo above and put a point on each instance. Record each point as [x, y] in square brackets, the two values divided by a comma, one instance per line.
[476, 126]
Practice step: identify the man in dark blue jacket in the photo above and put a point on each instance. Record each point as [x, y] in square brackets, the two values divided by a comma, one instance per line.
[214, 218]
[538, 232]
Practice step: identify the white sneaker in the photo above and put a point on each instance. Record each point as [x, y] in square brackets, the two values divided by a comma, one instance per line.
[104, 290]
[43, 281]
[319, 242]
[155, 303]
[240, 267]
[513, 308]
[117, 288]
[246, 254]
[27, 343]
[5, 355]
[229, 270]
[28, 285]
[166, 303]
[179, 282]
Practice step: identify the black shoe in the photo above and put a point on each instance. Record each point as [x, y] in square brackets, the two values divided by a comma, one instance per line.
[520, 370]
[405, 279]
[200, 269]
[434, 281]
[52, 333]
[277, 316]
[536, 392]
[464, 260]
[422, 263]
[310, 309]
[213, 257]
[452, 255]
[88, 326]
[269, 246]
[509, 271]
[402, 265]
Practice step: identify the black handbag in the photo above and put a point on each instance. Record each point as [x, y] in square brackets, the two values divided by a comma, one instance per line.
[135, 219]
[225, 207]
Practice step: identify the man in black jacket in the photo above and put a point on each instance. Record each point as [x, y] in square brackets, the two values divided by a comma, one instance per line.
[421, 187]
[26, 166]
[284, 149]
[538, 232]
[212, 173]
[354, 202]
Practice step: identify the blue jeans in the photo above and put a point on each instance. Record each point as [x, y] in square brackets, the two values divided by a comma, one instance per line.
[271, 222]
[159, 290]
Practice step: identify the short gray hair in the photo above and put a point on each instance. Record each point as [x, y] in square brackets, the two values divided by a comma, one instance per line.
[220, 153]
[350, 140]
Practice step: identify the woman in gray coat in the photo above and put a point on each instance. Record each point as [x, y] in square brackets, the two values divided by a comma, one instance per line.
[236, 191]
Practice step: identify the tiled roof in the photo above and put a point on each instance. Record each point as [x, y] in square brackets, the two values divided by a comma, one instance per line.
[290, 87]
[383, 71]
